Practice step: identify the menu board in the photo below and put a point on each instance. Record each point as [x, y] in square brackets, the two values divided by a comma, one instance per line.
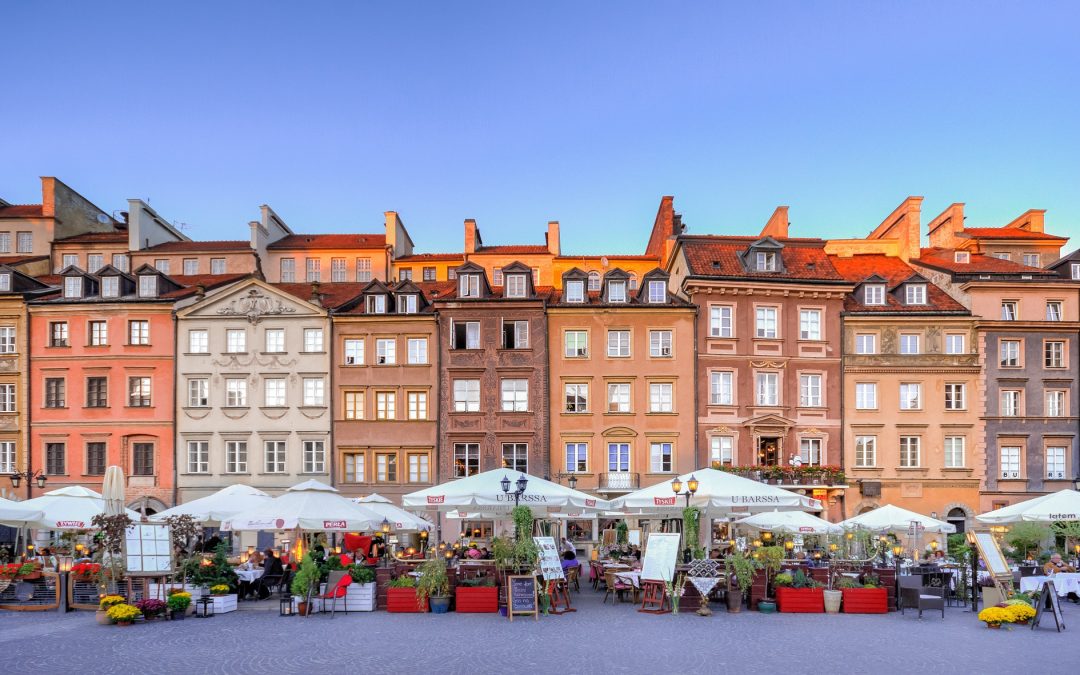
[1048, 599]
[550, 562]
[521, 596]
[148, 550]
[660, 556]
[991, 555]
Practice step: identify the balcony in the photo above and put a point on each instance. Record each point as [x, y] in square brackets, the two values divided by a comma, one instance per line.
[787, 477]
[619, 481]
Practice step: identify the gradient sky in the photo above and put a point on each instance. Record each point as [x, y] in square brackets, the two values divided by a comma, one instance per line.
[584, 112]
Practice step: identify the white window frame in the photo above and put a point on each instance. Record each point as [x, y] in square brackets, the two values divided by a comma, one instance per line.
[235, 341]
[313, 340]
[275, 453]
[811, 390]
[721, 321]
[385, 351]
[616, 345]
[576, 344]
[866, 343]
[618, 397]
[314, 391]
[910, 452]
[810, 324]
[865, 452]
[198, 392]
[236, 457]
[274, 340]
[722, 387]
[1010, 462]
[417, 351]
[766, 322]
[955, 450]
[660, 344]
[514, 394]
[275, 392]
[199, 341]
[911, 396]
[866, 395]
[661, 397]
[915, 294]
[767, 389]
[353, 349]
[198, 456]
[466, 395]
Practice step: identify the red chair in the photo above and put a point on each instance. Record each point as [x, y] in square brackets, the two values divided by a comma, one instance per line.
[337, 586]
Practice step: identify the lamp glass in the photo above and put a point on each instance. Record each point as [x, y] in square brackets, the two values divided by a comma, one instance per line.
[41, 481]
[16, 479]
[692, 484]
[505, 483]
[572, 481]
[767, 536]
[789, 545]
[385, 526]
[522, 483]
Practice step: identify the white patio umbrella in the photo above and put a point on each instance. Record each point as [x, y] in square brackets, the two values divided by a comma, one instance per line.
[718, 493]
[112, 491]
[15, 514]
[69, 508]
[1063, 505]
[483, 492]
[400, 519]
[797, 522]
[222, 505]
[310, 506]
[895, 519]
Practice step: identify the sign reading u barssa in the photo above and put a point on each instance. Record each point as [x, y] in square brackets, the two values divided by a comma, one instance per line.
[538, 499]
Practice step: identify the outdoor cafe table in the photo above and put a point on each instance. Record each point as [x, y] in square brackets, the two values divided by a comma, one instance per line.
[632, 577]
[250, 575]
[1064, 583]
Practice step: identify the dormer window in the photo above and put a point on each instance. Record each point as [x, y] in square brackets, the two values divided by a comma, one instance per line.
[376, 304]
[515, 285]
[73, 287]
[5, 281]
[469, 285]
[657, 292]
[407, 304]
[962, 257]
[110, 287]
[916, 294]
[616, 291]
[575, 291]
[148, 287]
[765, 261]
[1074, 269]
[594, 281]
[874, 294]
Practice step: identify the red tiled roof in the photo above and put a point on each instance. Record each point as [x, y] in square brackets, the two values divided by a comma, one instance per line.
[432, 290]
[513, 249]
[711, 255]
[331, 295]
[207, 281]
[22, 211]
[429, 257]
[116, 237]
[50, 279]
[1006, 233]
[196, 246]
[858, 268]
[980, 263]
[19, 259]
[541, 293]
[610, 256]
[315, 241]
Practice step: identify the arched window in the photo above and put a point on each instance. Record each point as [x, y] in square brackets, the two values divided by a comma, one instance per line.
[958, 518]
[633, 281]
[594, 281]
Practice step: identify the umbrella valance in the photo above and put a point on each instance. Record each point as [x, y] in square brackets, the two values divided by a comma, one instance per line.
[896, 519]
[718, 493]
[69, 508]
[796, 522]
[400, 519]
[310, 506]
[1061, 506]
[15, 514]
[483, 492]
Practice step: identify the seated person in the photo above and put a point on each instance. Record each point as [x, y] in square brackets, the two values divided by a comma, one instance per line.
[1056, 565]
[272, 573]
[569, 559]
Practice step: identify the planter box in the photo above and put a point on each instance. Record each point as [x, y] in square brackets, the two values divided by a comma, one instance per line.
[805, 600]
[358, 598]
[223, 604]
[403, 600]
[865, 601]
[476, 599]
[160, 591]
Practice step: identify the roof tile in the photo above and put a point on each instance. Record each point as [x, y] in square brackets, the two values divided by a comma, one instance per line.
[316, 241]
[718, 256]
[894, 271]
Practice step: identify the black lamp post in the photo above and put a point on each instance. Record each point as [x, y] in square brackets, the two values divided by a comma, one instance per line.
[691, 487]
[520, 484]
[384, 527]
[18, 476]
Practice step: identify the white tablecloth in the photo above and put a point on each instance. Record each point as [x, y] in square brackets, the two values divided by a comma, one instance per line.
[1064, 583]
[632, 578]
[249, 575]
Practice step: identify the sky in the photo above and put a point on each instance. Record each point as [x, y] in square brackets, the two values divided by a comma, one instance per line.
[519, 113]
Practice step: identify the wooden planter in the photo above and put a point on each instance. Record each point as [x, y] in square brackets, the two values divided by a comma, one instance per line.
[804, 600]
[865, 601]
[476, 599]
[403, 600]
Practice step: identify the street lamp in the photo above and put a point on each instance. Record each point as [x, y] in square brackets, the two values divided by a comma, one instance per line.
[384, 527]
[572, 482]
[789, 545]
[521, 483]
[18, 476]
[767, 536]
[691, 488]
[933, 544]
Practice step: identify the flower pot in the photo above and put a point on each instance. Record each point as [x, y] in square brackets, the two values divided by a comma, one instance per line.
[124, 623]
[471, 599]
[766, 606]
[102, 617]
[177, 614]
[866, 601]
[734, 601]
[832, 601]
[802, 600]
[32, 576]
[439, 604]
[993, 625]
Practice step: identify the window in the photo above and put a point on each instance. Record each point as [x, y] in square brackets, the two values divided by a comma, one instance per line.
[376, 304]
[363, 269]
[417, 351]
[955, 396]
[1055, 403]
[810, 324]
[768, 389]
[909, 343]
[419, 468]
[721, 388]
[142, 459]
[466, 459]
[7, 399]
[466, 395]
[315, 457]
[469, 285]
[274, 392]
[515, 334]
[337, 269]
[288, 270]
[236, 341]
[720, 321]
[274, 456]
[55, 396]
[594, 281]
[909, 452]
[1008, 310]
[866, 396]
[55, 459]
[7, 340]
[24, 242]
[722, 450]
[954, 452]
[313, 340]
[139, 392]
[199, 341]
[865, 451]
[618, 457]
[1054, 354]
[873, 294]
[575, 291]
[577, 457]
[810, 451]
[198, 392]
[910, 396]
[660, 397]
[1053, 310]
[660, 457]
[618, 343]
[866, 343]
[962, 257]
[616, 291]
[577, 397]
[1010, 403]
[429, 275]
[954, 343]
[1010, 461]
[406, 303]
[575, 343]
[618, 397]
[121, 261]
[97, 392]
[466, 335]
[765, 322]
[515, 456]
[139, 332]
[275, 340]
[515, 395]
[405, 274]
[73, 287]
[5, 244]
[5, 281]
[515, 285]
[657, 292]
[94, 262]
[162, 265]
[1010, 353]
[810, 391]
[99, 333]
[148, 286]
[110, 287]
[236, 457]
[354, 405]
[235, 393]
[354, 352]
[191, 266]
[1055, 463]
[354, 467]
[69, 260]
[1032, 260]
[313, 268]
[765, 261]
[313, 391]
[916, 294]
[417, 402]
[198, 457]
[660, 343]
[386, 351]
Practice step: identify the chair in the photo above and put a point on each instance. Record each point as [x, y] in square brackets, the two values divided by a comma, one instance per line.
[572, 575]
[337, 586]
[617, 588]
[1030, 571]
[597, 574]
[916, 596]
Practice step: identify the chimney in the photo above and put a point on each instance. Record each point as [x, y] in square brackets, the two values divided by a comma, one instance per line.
[777, 227]
[943, 229]
[1031, 220]
[200, 291]
[316, 297]
[553, 244]
[48, 196]
[472, 236]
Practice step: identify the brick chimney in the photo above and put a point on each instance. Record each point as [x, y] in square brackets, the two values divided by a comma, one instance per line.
[553, 244]
[1031, 220]
[942, 230]
[902, 225]
[472, 236]
[316, 297]
[777, 227]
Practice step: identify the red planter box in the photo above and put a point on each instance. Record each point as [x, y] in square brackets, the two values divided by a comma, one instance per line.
[476, 599]
[403, 600]
[806, 600]
[865, 601]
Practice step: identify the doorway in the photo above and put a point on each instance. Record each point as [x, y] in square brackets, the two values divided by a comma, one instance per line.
[768, 450]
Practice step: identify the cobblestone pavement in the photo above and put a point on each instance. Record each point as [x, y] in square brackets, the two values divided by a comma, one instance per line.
[596, 639]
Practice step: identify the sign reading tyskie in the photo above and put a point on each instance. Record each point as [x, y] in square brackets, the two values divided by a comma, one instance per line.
[436, 499]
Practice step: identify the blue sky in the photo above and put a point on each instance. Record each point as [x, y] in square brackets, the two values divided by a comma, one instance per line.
[514, 115]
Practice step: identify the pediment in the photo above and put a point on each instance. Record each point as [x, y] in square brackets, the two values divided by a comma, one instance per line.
[252, 300]
[770, 421]
[625, 432]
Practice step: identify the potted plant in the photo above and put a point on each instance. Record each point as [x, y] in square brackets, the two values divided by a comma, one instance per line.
[433, 585]
[994, 616]
[476, 595]
[85, 571]
[29, 571]
[832, 596]
[307, 577]
[104, 604]
[742, 568]
[401, 595]
[1020, 612]
[123, 614]
[798, 593]
[151, 608]
[219, 590]
[361, 592]
[178, 603]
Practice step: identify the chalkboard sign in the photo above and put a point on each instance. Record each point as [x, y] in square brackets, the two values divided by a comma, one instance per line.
[521, 596]
[660, 555]
[550, 562]
[1048, 596]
